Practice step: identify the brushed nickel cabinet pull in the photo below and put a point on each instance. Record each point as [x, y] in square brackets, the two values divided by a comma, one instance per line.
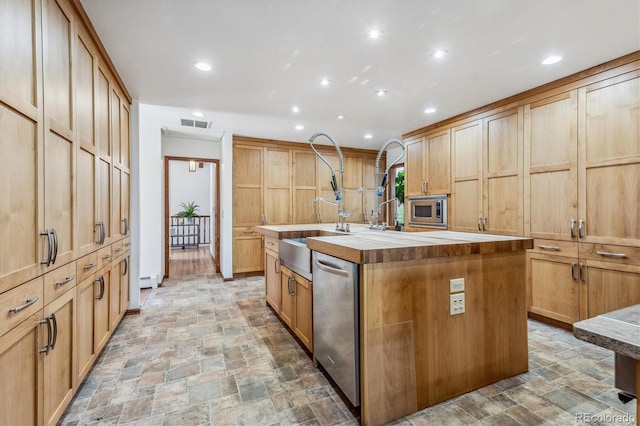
[550, 248]
[65, 281]
[106, 256]
[25, 306]
[484, 223]
[100, 280]
[119, 249]
[479, 224]
[49, 247]
[89, 266]
[581, 267]
[55, 245]
[126, 266]
[573, 228]
[581, 228]
[53, 319]
[609, 254]
[46, 349]
[573, 271]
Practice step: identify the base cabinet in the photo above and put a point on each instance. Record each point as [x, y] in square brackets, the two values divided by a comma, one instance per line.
[272, 279]
[296, 308]
[554, 287]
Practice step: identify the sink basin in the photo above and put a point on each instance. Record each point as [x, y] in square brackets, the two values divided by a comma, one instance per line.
[295, 255]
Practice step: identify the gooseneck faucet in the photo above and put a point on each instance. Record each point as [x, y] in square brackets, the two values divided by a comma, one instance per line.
[338, 187]
[381, 178]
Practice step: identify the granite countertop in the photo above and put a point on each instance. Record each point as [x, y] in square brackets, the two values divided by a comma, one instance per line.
[618, 331]
[363, 245]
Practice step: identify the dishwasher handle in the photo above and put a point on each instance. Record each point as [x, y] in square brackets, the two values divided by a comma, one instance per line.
[331, 268]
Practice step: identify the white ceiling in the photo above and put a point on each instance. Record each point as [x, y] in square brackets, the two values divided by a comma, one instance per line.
[268, 56]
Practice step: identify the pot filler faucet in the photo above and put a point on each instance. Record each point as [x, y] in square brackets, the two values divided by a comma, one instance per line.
[338, 187]
[381, 179]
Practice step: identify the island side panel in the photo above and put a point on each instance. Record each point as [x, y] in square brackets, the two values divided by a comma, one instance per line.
[406, 326]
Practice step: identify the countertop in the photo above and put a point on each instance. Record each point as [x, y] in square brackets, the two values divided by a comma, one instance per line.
[618, 331]
[363, 245]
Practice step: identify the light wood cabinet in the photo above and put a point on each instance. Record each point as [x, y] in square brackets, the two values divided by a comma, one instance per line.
[304, 187]
[554, 286]
[277, 190]
[125, 285]
[466, 199]
[296, 305]
[428, 164]
[21, 369]
[272, 279]
[248, 249]
[85, 352]
[59, 363]
[115, 294]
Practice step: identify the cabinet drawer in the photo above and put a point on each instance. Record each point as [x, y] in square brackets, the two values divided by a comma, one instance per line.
[86, 266]
[126, 244]
[247, 231]
[609, 253]
[117, 248]
[564, 248]
[59, 281]
[20, 303]
[104, 256]
[272, 244]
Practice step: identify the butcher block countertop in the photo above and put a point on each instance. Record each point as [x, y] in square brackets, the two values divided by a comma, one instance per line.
[364, 246]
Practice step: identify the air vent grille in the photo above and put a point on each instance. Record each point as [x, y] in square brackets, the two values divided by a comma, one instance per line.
[195, 123]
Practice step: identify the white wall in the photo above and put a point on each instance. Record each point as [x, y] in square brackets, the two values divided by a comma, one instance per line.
[226, 209]
[186, 186]
[134, 205]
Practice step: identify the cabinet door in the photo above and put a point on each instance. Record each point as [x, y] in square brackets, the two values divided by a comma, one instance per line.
[304, 311]
[553, 287]
[609, 161]
[503, 175]
[85, 351]
[102, 290]
[353, 181]
[370, 197]
[247, 186]
[304, 187]
[466, 200]
[328, 213]
[58, 132]
[288, 300]
[277, 193]
[59, 363]
[609, 287]
[414, 167]
[115, 311]
[248, 253]
[438, 163]
[103, 144]
[84, 66]
[551, 148]
[125, 290]
[21, 369]
[272, 279]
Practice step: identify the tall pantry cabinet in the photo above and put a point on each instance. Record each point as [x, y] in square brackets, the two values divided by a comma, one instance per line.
[64, 173]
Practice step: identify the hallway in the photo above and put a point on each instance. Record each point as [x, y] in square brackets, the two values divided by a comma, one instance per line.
[204, 351]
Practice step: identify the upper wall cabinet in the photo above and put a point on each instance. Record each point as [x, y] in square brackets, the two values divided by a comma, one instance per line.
[609, 161]
[428, 164]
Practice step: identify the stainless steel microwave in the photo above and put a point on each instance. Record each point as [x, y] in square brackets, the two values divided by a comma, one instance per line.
[429, 211]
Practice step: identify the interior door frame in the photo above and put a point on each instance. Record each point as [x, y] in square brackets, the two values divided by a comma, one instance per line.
[167, 159]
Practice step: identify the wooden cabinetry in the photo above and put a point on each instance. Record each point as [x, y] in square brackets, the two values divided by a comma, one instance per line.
[466, 199]
[296, 305]
[304, 187]
[428, 164]
[272, 273]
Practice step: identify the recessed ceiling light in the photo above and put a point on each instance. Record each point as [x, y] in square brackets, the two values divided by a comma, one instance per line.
[381, 92]
[340, 116]
[439, 54]
[295, 109]
[375, 33]
[552, 60]
[197, 114]
[299, 127]
[429, 110]
[368, 136]
[203, 66]
[325, 82]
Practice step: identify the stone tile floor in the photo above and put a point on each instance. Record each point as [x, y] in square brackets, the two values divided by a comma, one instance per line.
[204, 351]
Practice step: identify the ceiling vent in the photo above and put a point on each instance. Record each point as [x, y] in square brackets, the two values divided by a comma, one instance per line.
[198, 124]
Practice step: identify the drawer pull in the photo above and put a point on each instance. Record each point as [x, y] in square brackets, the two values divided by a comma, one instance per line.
[608, 254]
[89, 266]
[551, 248]
[106, 256]
[65, 281]
[119, 249]
[127, 244]
[248, 231]
[25, 306]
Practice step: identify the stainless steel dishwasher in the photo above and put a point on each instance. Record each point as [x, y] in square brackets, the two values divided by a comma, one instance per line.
[336, 322]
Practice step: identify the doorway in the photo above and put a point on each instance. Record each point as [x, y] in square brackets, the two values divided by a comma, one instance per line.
[191, 242]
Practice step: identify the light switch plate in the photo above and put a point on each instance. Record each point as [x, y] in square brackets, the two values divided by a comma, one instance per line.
[456, 285]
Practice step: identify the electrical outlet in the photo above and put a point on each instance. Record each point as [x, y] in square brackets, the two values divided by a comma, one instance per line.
[456, 285]
[456, 305]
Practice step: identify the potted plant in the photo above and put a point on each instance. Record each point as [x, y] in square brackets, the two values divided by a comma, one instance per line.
[188, 211]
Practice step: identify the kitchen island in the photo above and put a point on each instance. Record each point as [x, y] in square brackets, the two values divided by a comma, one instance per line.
[413, 352]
